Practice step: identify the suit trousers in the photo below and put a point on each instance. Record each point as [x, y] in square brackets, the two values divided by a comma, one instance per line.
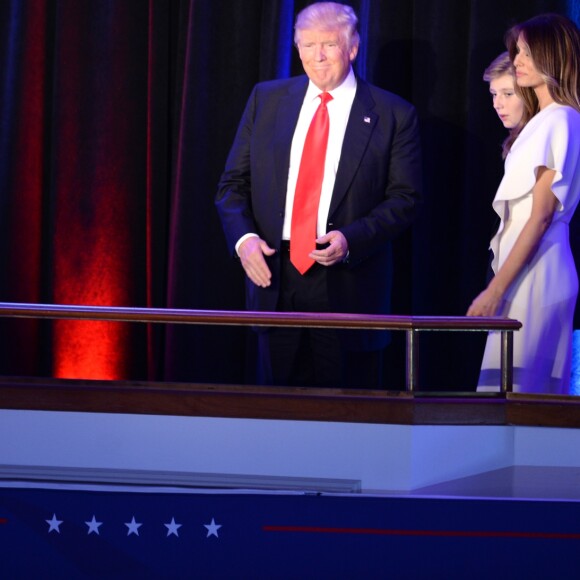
[311, 356]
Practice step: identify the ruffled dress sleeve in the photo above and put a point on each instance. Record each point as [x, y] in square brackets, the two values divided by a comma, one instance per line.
[551, 139]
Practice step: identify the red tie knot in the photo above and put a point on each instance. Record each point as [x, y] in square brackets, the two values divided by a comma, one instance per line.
[325, 97]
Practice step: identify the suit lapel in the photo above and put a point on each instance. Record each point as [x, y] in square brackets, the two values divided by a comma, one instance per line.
[286, 118]
[360, 126]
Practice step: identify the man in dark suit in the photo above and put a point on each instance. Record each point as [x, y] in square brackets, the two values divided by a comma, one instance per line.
[369, 195]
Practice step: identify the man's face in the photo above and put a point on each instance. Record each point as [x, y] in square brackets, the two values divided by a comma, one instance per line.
[325, 58]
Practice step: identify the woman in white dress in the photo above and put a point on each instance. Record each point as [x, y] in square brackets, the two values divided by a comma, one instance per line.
[535, 277]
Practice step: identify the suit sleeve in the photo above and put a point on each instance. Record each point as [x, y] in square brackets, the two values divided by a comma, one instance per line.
[233, 199]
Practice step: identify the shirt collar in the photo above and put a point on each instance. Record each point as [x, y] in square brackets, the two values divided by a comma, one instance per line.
[348, 86]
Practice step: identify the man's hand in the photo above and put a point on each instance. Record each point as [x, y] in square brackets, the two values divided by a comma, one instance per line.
[334, 253]
[251, 253]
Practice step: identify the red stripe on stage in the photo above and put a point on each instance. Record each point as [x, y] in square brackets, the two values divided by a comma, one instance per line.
[430, 533]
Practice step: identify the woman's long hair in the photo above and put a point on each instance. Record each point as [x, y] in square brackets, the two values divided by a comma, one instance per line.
[554, 44]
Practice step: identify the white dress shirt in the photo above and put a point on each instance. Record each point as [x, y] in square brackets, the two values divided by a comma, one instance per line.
[338, 112]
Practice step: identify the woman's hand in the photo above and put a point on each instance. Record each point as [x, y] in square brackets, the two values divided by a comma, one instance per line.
[488, 303]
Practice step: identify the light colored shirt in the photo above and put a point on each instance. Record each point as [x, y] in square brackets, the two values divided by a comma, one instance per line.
[338, 113]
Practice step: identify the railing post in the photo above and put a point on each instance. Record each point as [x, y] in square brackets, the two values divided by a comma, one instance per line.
[412, 370]
[507, 357]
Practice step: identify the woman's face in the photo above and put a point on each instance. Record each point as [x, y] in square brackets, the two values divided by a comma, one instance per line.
[527, 75]
[507, 104]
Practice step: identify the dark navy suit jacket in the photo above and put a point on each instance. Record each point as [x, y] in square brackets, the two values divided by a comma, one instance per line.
[375, 197]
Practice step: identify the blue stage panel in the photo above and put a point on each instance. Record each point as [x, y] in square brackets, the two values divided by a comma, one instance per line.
[80, 533]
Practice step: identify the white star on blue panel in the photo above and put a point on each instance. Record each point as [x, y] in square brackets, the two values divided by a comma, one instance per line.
[212, 529]
[53, 524]
[172, 528]
[133, 527]
[94, 526]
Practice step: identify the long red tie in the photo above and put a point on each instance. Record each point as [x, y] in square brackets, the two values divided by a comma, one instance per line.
[308, 186]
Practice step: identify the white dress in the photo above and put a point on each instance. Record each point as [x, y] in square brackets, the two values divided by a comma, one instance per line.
[543, 296]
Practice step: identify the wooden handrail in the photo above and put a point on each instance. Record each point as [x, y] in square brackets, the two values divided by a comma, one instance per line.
[411, 324]
[244, 317]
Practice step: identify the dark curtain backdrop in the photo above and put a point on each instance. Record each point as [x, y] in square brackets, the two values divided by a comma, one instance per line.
[116, 117]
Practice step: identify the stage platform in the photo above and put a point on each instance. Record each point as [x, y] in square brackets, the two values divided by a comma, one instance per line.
[385, 442]
[234, 481]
